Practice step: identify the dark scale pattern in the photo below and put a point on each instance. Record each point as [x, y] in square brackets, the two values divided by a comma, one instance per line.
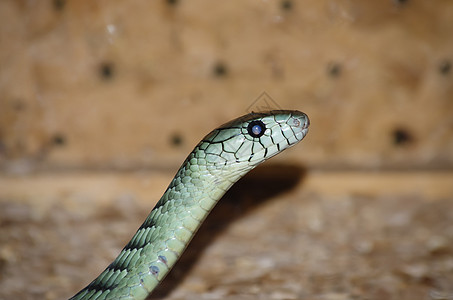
[154, 270]
[162, 259]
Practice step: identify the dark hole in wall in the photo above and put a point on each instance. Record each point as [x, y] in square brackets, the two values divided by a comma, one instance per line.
[18, 105]
[59, 140]
[176, 139]
[220, 70]
[286, 5]
[106, 70]
[400, 1]
[59, 4]
[402, 137]
[445, 67]
[334, 69]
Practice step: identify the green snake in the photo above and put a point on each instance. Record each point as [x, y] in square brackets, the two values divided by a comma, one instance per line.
[217, 162]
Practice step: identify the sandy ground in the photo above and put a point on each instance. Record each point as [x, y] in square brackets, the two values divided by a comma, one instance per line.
[267, 239]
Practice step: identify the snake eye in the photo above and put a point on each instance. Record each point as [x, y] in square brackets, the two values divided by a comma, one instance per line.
[256, 129]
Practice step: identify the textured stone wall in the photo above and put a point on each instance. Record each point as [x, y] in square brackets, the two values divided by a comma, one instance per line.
[100, 84]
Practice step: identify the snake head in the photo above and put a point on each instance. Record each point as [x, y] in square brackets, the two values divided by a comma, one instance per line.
[253, 138]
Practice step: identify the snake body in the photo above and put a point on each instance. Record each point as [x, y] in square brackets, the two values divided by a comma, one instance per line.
[217, 162]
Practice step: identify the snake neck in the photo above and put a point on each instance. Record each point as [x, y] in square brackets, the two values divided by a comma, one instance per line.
[202, 185]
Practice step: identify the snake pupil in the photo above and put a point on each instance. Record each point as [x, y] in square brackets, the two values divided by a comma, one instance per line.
[256, 128]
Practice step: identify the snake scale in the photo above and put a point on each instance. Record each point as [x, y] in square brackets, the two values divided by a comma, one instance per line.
[217, 162]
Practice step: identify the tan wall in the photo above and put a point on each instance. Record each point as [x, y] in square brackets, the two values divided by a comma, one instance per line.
[102, 84]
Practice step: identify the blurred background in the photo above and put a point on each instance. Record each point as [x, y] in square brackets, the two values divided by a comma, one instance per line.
[101, 101]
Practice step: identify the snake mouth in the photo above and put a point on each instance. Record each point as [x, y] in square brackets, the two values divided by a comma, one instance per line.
[301, 120]
[299, 123]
